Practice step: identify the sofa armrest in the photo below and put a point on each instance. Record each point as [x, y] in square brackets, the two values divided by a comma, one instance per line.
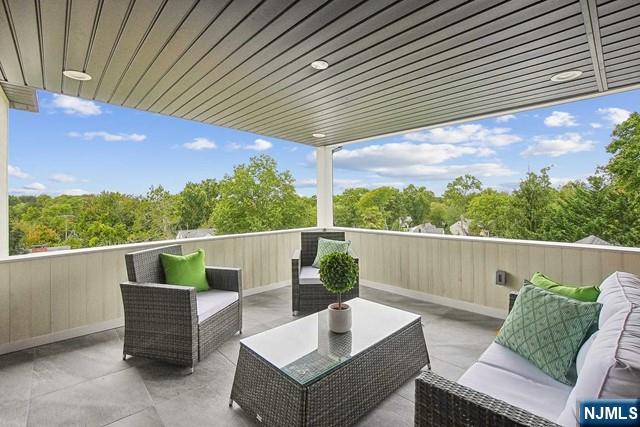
[225, 278]
[160, 306]
[443, 402]
[296, 265]
[512, 299]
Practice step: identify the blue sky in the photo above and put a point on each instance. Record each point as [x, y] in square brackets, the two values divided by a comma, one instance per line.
[73, 146]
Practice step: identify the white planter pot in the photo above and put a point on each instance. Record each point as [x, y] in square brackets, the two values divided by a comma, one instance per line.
[339, 320]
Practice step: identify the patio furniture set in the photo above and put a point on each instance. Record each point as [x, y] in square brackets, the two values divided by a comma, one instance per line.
[301, 373]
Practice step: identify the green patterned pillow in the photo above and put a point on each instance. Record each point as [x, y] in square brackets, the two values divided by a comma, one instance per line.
[548, 329]
[326, 247]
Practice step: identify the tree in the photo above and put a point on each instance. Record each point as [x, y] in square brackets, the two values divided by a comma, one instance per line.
[530, 206]
[489, 212]
[345, 207]
[458, 194]
[257, 197]
[416, 202]
[438, 214]
[387, 200]
[371, 217]
[196, 203]
[39, 234]
[625, 149]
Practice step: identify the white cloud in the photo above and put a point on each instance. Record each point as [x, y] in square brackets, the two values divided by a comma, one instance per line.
[596, 125]
[342, 183]
[76, 106]
[35, 186]
[466, 134]
[443, 172]
[560, 119]
[16, 172]
[505, 118]
[560, 145]
[614, 115]
[560, 181]
[199, 144]
[259, 145]
[107, 136]
[75, 192]
[62, 177]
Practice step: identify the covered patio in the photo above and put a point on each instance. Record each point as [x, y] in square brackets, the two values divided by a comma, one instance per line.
[321, 73]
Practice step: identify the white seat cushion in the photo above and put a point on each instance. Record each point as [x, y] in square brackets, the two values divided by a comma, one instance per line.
[545, 398]
[212, 301]
[612, 366]
[309, 276]
[506, 359]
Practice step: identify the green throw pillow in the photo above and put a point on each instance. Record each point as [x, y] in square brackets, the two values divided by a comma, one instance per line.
[326, 247]
[548, 330]
[584, 293]
[185, 270]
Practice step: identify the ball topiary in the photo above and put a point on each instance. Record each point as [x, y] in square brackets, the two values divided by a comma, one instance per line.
[338, 273]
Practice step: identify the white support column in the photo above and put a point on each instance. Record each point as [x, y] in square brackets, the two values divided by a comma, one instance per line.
[4, 175]
[324, 186]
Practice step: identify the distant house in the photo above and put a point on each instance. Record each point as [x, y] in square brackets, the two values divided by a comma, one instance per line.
[594, 240]
[405, 223]
[427, 228]
[197, 232]
[460, 228]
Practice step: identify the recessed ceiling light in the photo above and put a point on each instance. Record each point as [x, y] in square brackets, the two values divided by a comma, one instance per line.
[320, 65]
[566, 76]
[318, 135]
[76, 75]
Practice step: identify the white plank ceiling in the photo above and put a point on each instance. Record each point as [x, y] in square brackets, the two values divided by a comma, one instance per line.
[393, 65]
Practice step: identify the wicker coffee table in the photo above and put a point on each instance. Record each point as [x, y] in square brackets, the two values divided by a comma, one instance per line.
[300, 373]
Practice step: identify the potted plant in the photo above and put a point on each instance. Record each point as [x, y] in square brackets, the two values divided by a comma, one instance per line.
[339, 274]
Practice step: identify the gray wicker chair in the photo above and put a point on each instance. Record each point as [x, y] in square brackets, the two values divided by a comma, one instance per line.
[313, 297]
[440, 402]
[162, 321]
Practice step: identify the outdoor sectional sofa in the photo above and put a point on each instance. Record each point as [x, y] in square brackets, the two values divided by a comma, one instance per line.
[504, 389]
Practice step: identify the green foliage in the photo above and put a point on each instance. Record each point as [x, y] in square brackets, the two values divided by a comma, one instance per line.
[458, 194]
[256, 197]
[338, 272]
[489, 213]
[625, 148]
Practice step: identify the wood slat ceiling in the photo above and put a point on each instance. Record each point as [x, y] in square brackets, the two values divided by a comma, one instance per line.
[394, 65]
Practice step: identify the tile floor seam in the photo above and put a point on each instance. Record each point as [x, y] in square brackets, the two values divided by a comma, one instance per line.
[130, 415]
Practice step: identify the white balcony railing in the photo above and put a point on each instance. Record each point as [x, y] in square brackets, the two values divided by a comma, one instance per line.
[53, 296]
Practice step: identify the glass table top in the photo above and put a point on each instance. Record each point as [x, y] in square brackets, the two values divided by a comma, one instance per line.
[306, 350]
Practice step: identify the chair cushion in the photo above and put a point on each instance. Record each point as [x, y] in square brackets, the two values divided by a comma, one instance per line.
[212, 301]
[548, 330]
[612, 367]
[535, 391]
[309, 276]
[185, 270]
[327, 246]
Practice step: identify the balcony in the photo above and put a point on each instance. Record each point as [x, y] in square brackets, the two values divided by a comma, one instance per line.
[61, 330]
[314, 72]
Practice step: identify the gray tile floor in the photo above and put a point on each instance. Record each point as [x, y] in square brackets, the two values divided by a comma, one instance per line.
[85, 382]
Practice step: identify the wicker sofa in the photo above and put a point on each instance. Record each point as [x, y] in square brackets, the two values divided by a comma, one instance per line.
[504, 389]
[173, 323]
[307, 293]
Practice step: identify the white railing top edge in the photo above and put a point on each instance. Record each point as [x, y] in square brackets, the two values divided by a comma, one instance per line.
[493, 240]
[142, 245]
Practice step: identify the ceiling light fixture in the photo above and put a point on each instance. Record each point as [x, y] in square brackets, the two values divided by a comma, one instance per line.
[320, 65]
[318, 135]
[76, 75]
[565, 76]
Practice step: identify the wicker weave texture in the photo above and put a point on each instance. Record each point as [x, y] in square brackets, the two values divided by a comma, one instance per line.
[145, 266]
[340, 397]
[440, 402]
[311, 298]
[161, 321]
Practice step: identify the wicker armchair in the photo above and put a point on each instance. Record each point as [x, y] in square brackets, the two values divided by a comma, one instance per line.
[440, 402]
[174, 323]
[308, 295]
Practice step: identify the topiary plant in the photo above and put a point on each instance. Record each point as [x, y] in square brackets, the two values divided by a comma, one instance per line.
[338, 273]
